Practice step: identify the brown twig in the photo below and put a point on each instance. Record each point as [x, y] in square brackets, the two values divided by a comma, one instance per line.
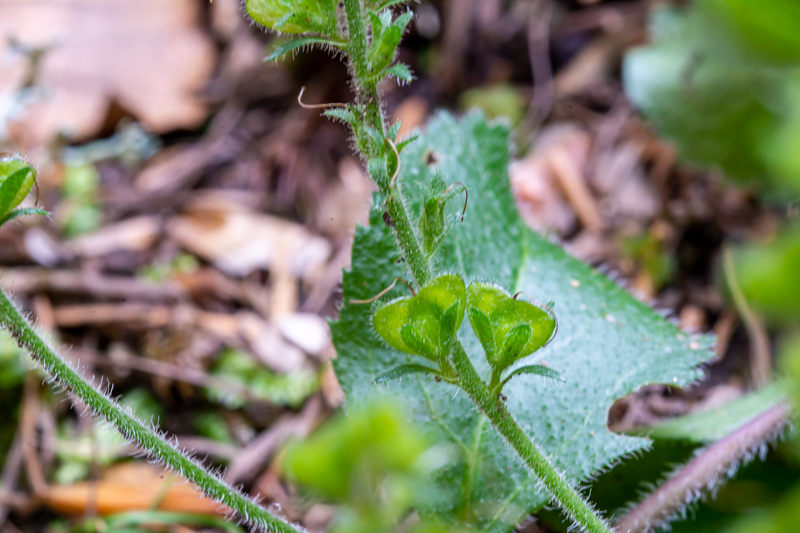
[384, 291]
[34, 280]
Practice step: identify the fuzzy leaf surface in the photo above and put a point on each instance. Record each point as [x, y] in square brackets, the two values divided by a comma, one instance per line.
[608, 345]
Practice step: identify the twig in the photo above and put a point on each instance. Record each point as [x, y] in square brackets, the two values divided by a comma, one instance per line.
[384, 291]
[314, 106]
[30, 280]
[706, 471]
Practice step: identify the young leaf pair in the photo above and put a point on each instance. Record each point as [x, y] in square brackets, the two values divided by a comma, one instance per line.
[17, 177]
[426, 325]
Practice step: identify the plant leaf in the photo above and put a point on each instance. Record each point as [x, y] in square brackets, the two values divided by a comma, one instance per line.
[400, 72]
[505, 316]
[609, 344]
[293, 44]
[15, 185]
[405, 370]
[539, 370]
[295, 16]
[23, 212]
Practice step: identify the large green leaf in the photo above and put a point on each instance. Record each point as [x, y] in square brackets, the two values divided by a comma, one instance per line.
[608, 345]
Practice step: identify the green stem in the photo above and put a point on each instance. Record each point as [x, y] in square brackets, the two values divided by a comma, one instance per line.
[554, 481]
[132, 428]
[469, 380]
[407, 237]
[494, 383]
[358, 46]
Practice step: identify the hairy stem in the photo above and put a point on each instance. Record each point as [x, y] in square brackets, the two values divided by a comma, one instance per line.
[554, 481]
[358, 45]
[134, 429]
[705, 471]
[418, 262]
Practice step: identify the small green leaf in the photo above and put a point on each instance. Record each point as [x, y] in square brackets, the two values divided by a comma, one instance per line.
[415, 324]
[405, 143]
[376, 167]
[345, 115]
[376, 139]
[392, 132]
[505, 315]
[293, 44]
[405, 370]
[483, 330]
[539, 370]
[513, 346]
[431, 224]
[23, 212]
[16, 180]
[451, 321]
[384, 46]
[418, 344]
[400, 72]
[295, 16]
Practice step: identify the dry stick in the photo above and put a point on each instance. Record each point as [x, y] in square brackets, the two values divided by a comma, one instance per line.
[133, 429]
[705, 471]
[760, 360]
[384, 291]
[314, 106]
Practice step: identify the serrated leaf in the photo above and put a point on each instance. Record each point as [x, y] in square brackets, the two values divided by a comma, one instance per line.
[294, 44]
[383, 47]
[609, 344]
[25, 211]
[400, 72]
[403, 371]
[538, 370]
[345, 115]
